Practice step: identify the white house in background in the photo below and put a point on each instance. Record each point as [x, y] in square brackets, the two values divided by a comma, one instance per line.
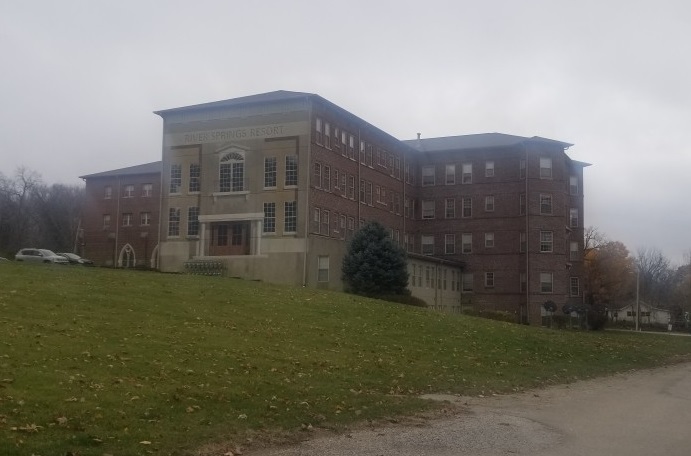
[649, 314]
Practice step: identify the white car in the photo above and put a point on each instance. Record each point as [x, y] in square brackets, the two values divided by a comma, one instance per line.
[40, 256]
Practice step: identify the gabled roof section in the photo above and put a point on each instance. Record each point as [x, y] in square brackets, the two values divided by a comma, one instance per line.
[147, 168]
[268, 97]
[476, 141]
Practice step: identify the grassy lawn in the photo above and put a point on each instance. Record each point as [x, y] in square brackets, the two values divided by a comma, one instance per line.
[96, 361]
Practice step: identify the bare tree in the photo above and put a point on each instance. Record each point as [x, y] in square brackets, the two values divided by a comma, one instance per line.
[656, 276]
[593, 238]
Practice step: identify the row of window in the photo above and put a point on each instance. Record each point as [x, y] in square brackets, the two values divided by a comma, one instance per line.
[465, 281]
[427, 244]
[429, 173]
[232, 176]
[369, 154]
[340, 226]
[269, 227]
[429, 208]
[128, 191]
[128, 219]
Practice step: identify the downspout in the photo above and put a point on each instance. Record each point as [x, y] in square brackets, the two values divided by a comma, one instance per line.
[527, 237]
[359, 179]
[160, 198]
[307, 193]
[117, 227]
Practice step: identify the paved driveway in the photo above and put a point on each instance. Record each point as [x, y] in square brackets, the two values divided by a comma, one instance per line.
[636, 414]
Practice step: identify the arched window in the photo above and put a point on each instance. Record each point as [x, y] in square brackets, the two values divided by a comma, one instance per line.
[232, 172]
[127, 258]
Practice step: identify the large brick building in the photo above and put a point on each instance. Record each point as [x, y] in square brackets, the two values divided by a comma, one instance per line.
[121, 216]
[274, 185]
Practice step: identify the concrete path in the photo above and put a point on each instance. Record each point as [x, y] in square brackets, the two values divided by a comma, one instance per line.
[637, 414]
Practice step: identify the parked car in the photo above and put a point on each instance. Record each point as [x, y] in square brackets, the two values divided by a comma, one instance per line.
[40, 256]
[76, 259]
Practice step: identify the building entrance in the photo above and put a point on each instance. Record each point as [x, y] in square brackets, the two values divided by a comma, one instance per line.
[230, 238]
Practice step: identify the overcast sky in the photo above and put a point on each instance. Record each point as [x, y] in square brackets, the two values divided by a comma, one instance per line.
[79, 81]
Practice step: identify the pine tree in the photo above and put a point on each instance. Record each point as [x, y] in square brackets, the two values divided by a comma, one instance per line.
[374, 265]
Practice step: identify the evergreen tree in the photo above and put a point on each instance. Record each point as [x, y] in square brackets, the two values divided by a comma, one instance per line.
[374, 265]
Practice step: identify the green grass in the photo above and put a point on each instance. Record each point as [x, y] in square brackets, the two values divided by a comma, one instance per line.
[96, 361]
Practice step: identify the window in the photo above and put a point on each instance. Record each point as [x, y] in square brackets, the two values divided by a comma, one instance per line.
[467, 177]
[232, 173]
[128, 191]
[145, 218]
[107, 192]
[326, 224]
[173, 222]
[323, 268]
[351, 227]
[406, 207]
[575, 286]
[351, 147]
[327, 135]
[175, 178]
[106, 221]
[406, 173]
[362, 191]
[545, 204]
[524, 282]
[195, 178]
[351, 187]
[489, 203]
[236, 235]
[269, 218]
[467, 207]
[362, 152]
[427, 245]
[546, 241]
[317, 175]
[316, 220]
[450, 174]
[369, 155]
[467, 282]
[318, 135]
[344, 149]
[428, 175]
[450, 244]
[523, 243]
[489, 240]
[127, 219]
[489, 280]
[193, 221]
[545, 168]
[521, 204]
[574, 251]
[450, 208]
[270, 172]
[222, 235]
[147, 190]
[489, 169]
[546, 282]
[428, 209]
[368, 193]
[342, 227]
[467, 243]
[573, 185]
[522, 169]
[291, 171]
[290, 222]
[573, 218]
[326, 182]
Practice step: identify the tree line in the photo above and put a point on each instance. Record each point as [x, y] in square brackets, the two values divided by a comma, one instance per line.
[34, 214]
[614, 276]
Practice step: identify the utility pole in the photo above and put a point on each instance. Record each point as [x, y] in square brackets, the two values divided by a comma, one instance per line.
[638, 302]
